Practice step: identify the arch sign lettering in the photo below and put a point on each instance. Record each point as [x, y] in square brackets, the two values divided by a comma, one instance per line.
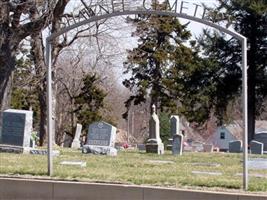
[95, 10]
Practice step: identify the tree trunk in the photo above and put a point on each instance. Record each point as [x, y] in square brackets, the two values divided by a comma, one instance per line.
[251, 103]
[251, 118]
[38, 55]
[252, 82]
[7, 57]
[38, 58]
[7, 66]
[5, 89]
[43, 116]
[56, 48]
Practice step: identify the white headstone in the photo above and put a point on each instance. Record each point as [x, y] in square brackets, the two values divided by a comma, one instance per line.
[76, 144]
[175, 125]
[154, 129]
[74, 163]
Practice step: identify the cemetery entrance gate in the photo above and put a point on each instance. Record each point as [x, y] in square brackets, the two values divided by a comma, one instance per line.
[99, 10]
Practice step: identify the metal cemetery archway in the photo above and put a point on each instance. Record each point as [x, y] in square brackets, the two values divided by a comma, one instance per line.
[119, 8]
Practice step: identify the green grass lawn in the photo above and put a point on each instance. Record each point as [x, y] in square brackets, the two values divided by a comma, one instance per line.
[132, 167]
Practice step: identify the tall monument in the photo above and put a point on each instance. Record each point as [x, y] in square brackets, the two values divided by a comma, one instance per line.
[154, 143]
[76, 144]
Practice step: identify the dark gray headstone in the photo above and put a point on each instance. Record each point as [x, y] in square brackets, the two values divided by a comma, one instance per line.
[67, 139]
[235, 146]
[101, 134]
[177, 144]
[175, 129]
[16, 128]
[262, 137]
[256, 147]
[101, 139]
[141, 147]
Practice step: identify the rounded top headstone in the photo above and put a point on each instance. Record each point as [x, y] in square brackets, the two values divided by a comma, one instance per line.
[153, 109]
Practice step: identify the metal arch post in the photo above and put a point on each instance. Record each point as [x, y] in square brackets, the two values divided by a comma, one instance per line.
[245, 113]
[49, 106]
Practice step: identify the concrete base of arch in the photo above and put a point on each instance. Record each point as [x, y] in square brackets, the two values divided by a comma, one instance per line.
[22, 189]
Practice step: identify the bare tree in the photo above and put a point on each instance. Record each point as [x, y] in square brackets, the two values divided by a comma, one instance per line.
[100, 53]
[19, 19]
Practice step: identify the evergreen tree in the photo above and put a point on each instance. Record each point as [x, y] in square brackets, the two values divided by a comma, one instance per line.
[165, 127]
[193, 85]
[249, 19]
[90, 101]
[161, 43]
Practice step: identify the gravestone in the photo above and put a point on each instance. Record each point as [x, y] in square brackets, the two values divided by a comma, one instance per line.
[197, 146]
[256, 147]
[175, 125]
[34, 138]
[67, 140]
[76, 144]
[141, 147]
[154, 143]
[207, 173]
[257, 163]
[206, 164]
[177, 144]
[262, 137]
[16, 130]
[161, 162]
[253, 175]
[32, 143]
[44, 152]
[119, 145]
[235, 146]
[175, 129]
[101, 139]
[74, 163]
